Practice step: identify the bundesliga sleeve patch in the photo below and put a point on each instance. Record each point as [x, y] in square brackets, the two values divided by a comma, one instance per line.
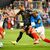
[39, 21]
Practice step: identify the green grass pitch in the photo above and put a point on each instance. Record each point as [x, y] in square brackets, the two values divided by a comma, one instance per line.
[26, 43]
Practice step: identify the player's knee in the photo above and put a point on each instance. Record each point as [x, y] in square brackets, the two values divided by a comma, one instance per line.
[33, 31]
[21, 36]
[42, 37]
[0, 37]
[4, 33]
[22, 30]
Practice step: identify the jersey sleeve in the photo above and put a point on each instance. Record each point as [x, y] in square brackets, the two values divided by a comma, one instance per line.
[39, 21]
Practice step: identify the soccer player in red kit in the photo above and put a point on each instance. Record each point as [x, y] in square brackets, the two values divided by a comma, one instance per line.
[2, 33]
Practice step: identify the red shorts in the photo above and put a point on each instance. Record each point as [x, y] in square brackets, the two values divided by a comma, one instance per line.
[1, 31]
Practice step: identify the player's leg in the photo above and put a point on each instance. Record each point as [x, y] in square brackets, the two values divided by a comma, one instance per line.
[34, 35]
[41, 30]
[20, 34]
[2, 33]
[44, 38]
[26, 30]
[1, 44]
[29, 34]
[19, 37]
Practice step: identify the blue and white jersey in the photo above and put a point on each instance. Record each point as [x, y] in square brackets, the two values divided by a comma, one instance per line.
[36, 21]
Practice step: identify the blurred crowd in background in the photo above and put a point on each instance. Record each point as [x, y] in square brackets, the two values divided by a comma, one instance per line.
[10, 11]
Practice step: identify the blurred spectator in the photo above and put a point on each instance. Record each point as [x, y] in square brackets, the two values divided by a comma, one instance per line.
[10, 13]
[9, 23]
[45, 16]
[49, 8]
[5, 21]
[44, 6]
[12, 22]
[16, 3]
[48, 21]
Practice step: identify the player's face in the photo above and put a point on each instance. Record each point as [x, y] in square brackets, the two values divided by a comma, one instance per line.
[21, 8]
[35, 14]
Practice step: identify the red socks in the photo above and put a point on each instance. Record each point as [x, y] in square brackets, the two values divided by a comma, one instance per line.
[33, 33]
[35, 36]
[46, 40]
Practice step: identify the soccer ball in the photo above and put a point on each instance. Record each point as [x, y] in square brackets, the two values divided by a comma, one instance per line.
[1, 44]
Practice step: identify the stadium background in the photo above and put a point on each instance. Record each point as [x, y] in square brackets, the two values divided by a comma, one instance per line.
[42, 5]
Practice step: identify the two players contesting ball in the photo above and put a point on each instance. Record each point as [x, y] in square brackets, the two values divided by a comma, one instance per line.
[35, 27]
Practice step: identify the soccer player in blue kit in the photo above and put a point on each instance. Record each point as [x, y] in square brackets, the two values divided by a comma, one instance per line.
[37, 27]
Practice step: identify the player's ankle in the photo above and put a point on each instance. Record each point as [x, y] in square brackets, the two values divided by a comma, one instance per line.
[36, 42]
